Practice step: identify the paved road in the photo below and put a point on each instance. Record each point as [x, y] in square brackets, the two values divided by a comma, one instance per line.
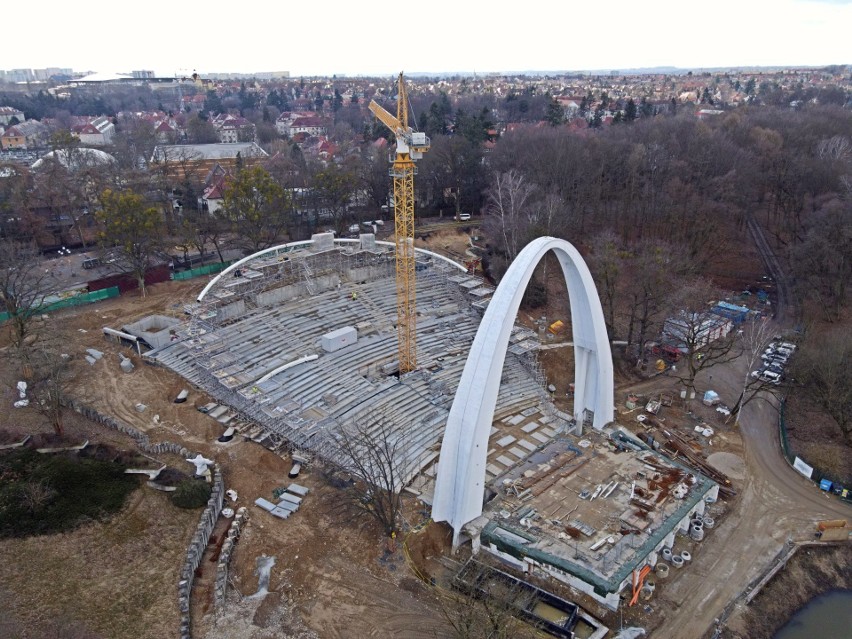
[774, 504]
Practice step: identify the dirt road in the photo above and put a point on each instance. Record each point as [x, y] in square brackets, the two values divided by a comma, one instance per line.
[775, 504]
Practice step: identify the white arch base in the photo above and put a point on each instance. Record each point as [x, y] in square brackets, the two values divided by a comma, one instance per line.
[460, 482]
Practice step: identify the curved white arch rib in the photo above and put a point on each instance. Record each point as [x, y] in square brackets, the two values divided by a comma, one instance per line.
[460, 482]
[274, 250]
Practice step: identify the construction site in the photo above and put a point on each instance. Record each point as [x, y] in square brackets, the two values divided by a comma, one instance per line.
[296, 345]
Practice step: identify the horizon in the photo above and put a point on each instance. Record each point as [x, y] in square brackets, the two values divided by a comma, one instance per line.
[730, 34]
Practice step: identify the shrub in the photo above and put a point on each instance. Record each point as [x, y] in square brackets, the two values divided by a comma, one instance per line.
[191, 493]
[42, 494]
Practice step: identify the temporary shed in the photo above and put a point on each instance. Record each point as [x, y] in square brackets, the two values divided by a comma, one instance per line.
[341, 338]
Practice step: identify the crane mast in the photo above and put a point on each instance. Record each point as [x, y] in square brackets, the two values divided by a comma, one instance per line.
[410, 146]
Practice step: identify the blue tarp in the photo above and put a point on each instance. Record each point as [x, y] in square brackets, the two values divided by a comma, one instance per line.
[737, 314]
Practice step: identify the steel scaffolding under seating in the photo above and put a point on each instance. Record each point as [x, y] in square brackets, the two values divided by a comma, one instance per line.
[255, 344]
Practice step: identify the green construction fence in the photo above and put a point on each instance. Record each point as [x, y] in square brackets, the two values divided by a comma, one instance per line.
[207, 269]
[76, 300]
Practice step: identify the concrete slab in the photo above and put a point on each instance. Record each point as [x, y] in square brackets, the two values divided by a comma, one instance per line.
[494, 470]
[505, 441]
[517, 452]
[527, 444]
[528, 428]
[508, 463]
[541, 437]
[296, 489]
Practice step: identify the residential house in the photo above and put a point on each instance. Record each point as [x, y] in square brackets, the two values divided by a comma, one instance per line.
[26, 135]
[213, 195]
[233, 128]
[193, 102]
[97, 131]
[570, 105]
[166, 131]
[292, 124]
[7, 113]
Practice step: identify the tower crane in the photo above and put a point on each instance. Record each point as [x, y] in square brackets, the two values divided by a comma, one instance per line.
[410, 146]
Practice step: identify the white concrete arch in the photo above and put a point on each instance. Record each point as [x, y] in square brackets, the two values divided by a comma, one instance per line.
[460, 483]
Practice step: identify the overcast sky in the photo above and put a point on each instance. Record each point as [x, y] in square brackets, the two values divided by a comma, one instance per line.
[365, 38]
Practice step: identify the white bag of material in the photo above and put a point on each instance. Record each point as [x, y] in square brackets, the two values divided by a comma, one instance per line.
[22, 390]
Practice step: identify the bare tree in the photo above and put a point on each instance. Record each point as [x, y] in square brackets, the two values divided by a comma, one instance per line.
[822, 367]
[508, 214]
[755, 337]
[607, 261]
[51, 375]
[698, 333]
[25, 284]
[371, 453]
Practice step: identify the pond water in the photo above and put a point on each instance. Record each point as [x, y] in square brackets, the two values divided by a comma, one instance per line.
[828, 616]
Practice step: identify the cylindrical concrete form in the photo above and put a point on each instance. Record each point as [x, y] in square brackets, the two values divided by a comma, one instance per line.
[651, 584]
[697, 522]
[696, 532]
[677, 561]
[646, 593]
[686, 556]
[661, 570]
[709, 522]
[667, 554]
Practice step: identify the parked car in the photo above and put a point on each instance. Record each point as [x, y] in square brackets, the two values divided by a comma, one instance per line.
[464, 217]
[770, 377]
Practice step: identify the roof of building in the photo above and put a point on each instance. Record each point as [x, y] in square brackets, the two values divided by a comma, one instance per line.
[208, 151]
[611, 504]
[77, 159]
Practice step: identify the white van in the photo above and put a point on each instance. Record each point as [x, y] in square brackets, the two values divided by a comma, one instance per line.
[464, 217]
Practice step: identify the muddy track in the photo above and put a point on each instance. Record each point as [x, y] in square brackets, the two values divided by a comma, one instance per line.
[783, 311]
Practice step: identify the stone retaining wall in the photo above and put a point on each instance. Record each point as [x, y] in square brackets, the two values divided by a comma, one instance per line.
[137, 435]
[196, 551]
[221, 587]
[205, 524]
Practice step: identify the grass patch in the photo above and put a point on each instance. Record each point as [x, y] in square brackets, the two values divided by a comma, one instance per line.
[43, 494]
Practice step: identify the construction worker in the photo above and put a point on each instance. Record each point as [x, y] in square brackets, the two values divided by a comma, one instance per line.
[354, 296]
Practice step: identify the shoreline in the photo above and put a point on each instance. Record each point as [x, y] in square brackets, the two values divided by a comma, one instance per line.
[811, 572]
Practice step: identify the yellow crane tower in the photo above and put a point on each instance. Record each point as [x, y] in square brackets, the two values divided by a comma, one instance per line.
[410, 146]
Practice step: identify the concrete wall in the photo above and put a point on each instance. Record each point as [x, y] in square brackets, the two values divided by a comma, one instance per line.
[236, 309]
[281, 294]
[368, 273]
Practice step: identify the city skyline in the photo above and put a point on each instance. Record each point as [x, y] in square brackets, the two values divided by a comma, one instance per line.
[366, 42]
